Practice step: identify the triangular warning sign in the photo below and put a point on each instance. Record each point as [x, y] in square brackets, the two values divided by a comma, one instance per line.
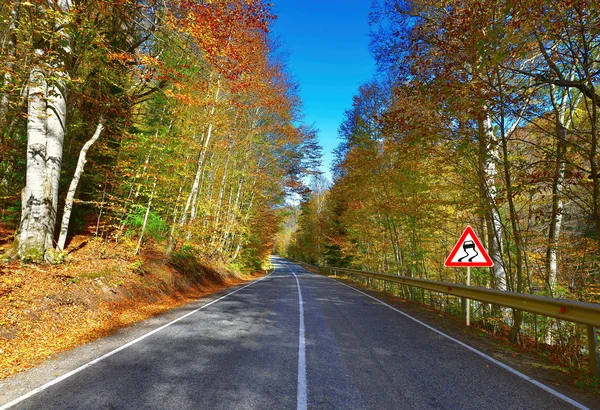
[468, 251]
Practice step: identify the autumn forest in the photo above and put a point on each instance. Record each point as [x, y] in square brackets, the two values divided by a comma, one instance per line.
[175, 128]
[165, 121]
[484, 113]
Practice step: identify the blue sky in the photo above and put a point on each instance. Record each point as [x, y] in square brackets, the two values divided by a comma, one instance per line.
[328, 44]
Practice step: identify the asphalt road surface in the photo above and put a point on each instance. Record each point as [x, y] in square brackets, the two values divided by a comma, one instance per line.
[293, 340]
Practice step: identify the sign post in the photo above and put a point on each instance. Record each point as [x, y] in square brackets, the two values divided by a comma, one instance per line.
[468, 252]
[468, 300]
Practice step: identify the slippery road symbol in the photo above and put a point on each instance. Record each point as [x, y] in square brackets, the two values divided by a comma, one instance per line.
[468, 251]
[466, 246]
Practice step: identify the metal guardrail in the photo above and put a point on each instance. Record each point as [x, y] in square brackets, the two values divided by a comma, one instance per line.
[570, 310]
[564, 309]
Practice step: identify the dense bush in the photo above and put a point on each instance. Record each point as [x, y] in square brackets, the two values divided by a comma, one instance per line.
[156, 227]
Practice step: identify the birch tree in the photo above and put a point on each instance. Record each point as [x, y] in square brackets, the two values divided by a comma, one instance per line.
[46, 125]
[64, 228]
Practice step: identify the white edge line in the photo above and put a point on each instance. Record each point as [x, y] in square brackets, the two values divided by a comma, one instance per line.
[117, 350]
[472, 349]
[302, 394]
[466, 346]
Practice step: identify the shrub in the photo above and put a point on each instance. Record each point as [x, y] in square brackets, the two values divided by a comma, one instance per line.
[155, 226]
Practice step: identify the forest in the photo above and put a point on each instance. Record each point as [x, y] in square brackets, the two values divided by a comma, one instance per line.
[483, 113]
[171, 123]
[175, 128]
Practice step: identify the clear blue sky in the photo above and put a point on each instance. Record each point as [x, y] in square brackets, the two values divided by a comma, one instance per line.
[328, 44]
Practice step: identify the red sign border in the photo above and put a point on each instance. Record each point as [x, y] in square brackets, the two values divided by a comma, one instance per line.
[468, 231]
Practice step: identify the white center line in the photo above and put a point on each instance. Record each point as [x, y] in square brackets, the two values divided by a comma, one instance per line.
[517, 373]
[302, 401]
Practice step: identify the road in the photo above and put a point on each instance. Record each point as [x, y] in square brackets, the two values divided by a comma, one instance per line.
[292, 340]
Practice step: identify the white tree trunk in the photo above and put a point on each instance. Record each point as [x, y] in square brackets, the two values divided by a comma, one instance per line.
[233, 216]
[196, 197]
[562, 126]
[238, 248]
[557, 215]
[193, 192]
[139, 175]
[46, 123]
[56, 115]
[46, 117]
[220, 199]
[37, 212]
[203, 153]
[490, 171]
[64, 228]
[144, 224]
[193, 195]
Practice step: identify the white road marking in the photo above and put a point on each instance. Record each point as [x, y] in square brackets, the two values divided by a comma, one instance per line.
[302, 399]
[485, 356]
[125, 346]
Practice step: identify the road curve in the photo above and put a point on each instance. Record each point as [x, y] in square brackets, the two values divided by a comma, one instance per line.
[293, 340]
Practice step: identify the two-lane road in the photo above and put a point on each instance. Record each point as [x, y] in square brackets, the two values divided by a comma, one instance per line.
[293, 340]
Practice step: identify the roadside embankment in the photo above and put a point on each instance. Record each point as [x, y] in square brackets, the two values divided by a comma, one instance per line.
[99, 289]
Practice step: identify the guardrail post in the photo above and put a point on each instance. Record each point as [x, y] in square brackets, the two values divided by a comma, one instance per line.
[592, 334]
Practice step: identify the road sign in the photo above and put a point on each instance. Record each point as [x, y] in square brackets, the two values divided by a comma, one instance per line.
[468, 252]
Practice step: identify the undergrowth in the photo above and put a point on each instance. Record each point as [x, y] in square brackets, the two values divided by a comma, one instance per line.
[188, 261]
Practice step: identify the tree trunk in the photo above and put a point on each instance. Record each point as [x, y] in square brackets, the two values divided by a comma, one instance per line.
[64, 228]
[562, 126]
[204, 151]
[101, 209]
[194, 191]
[183, 219]
[395, 244]
[519, 249]
[197, 197]
[11, 58]
[233, 213]
[140, 174]
[239, 245]
[139, 244]
[37, 214]
[175, 211]
[46, 124]
[219, 205]
[488, 152]
[516, 233]
[45, 136]
[594, 165]
[557, 208]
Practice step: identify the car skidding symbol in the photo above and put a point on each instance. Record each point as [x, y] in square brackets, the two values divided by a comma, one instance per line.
[469, 245]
